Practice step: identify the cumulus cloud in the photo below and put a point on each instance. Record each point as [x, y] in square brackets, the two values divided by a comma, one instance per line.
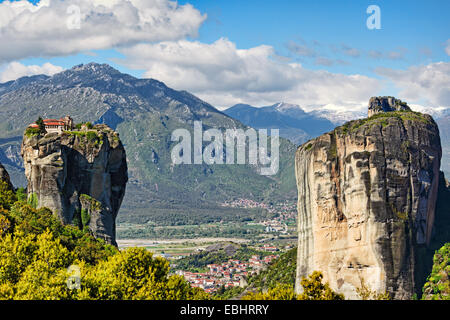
[56, 27]
[15, 70]
[398, 54]
[223, 75]
[301, 50]
[375, 54]
[425, 84]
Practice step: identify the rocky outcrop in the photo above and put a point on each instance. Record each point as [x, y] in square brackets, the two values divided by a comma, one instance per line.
[386, 104]
[366, 201]
[80, 175]
[4, 176]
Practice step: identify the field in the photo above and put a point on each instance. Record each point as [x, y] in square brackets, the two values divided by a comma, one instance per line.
[175, 247]
[243, 219]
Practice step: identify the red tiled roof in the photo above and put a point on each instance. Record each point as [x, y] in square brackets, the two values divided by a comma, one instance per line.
[49, 122]
[53, 122]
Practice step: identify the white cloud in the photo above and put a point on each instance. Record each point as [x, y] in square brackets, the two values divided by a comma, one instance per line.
[301, 49]
[224, 75]
[426, 84]
[42, 30]
[15, 70]
[349, 51]
[447, 48]
[398, 54]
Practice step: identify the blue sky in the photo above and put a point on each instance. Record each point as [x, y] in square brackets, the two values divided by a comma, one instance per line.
[325, 39]
[420, 27]
[413, 25]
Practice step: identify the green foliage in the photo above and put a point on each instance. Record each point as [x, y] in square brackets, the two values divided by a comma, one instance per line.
[366, 294]
[5, 224]
[21, 194]
[280, 271]
[32, 132]
[33, 200]
[188, 194]
[93, 203]
[91, 136]
[440, 238]
[382, 119]
[437, 286]
[36, 251]
[200, 260]
[7, 196]
[41, 125]
[228, 293]
[280, 292]
[332, 151]
[85, 217]
[135, 274]
[313, 289]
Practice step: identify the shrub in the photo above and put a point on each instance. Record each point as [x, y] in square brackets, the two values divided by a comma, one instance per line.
[437, 286]
[32, 132]
[36, 250]
[41, 125]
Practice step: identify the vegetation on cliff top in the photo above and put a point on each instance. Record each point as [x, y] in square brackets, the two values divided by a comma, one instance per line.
[382, 119]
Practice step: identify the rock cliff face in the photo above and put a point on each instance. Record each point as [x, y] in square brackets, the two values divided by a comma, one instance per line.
[4, 176]
[80, 175]
[386, 104]
[366, 200]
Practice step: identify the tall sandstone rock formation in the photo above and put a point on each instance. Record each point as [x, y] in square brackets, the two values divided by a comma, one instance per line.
[80, 175]
[366, 201]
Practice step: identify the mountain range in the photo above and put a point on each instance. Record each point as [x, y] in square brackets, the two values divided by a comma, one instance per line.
[299, 126]
[145, 112]
[294, 123]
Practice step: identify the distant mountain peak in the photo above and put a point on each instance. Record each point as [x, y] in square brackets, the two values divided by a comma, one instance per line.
[95, 67]
[85, 73]
[284, 106]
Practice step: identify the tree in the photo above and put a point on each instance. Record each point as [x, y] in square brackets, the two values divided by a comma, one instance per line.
[314, 289]
[41, 125]
[437, 286]
[36, 250]
[280, 292]
[21, 194]
[45, 277]
[7, 196]
[366, 294]
[135, 274]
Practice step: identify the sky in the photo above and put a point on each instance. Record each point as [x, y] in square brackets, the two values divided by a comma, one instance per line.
[317, 54]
